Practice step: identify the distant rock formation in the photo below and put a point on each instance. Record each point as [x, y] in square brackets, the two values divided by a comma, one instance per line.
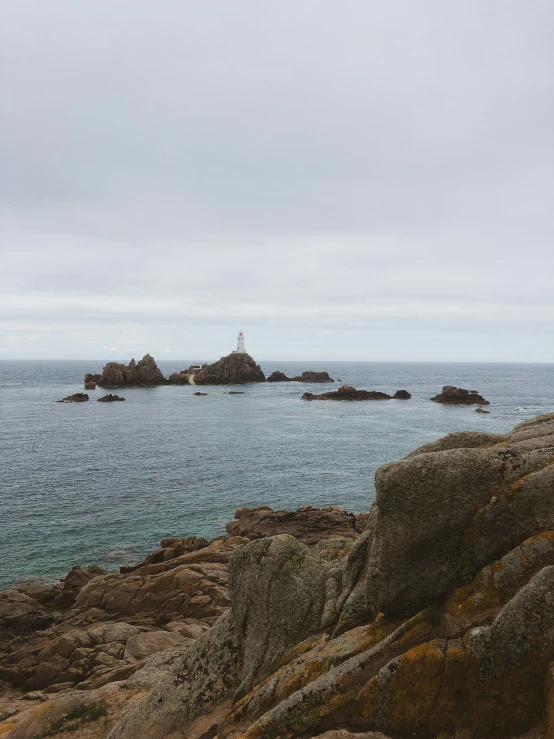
[91, 381]
[458, 396]
[200, 393]
[402, 395]
[308, 376]
[347, 392]
[76, 398]
[109, 399]
[234, 369]
[135, 374]
[185, 377]
[278, 376]
[480, 410]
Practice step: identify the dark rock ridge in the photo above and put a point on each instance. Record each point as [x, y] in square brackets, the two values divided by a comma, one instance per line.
[347, 392]
[436, 621]
[307, 376]
[144, 373]
[109, 398]
[451, 395]
[234, 369]
[278, 376]
[402, 395]
[200, 393]
[76, 398]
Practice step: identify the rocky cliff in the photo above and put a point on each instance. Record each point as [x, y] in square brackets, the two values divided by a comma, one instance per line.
[234, 369]
[144, 373]
[436, 621]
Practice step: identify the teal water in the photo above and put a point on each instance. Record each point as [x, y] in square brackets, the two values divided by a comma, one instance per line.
[103, 483]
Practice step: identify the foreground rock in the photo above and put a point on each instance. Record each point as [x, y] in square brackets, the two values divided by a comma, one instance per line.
[144, 373]
[234, 369]
[109, 399]
[76, 398]
[437, 621]
[451, 395]
[347, 392]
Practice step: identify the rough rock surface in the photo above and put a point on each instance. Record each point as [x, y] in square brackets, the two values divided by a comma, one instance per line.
[347, 392]
[402, 395]
[109, 398]
[91, 379]
[76, 398]
[438, 621]
[309, 525]
[144, 373]
[451, 395]
[234, 369]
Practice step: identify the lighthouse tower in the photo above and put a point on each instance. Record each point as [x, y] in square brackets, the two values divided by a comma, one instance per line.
[240, 344]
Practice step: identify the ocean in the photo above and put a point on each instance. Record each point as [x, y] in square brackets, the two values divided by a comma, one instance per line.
[87, 483]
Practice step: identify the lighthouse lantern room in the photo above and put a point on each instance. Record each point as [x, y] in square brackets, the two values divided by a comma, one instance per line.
[240, 344]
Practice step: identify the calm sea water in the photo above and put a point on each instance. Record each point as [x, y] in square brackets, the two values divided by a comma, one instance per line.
[88, 483]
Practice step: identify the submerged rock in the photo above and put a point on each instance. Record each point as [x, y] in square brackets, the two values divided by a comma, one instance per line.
[76, 398]
[451, 395]
[135, 374]
[481, 410]
[347, 392]
[234, 369]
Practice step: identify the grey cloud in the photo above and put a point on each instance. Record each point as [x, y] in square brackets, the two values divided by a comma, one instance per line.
[315, 164]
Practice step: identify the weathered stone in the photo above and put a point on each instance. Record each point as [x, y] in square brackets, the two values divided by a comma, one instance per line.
[234, 369]
[136, 374]
[307, 524]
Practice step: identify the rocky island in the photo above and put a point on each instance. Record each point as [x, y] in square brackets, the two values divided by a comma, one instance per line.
[451, 395]
[308, 376]
[234, 369]
[347, 392]
[434, 619]
[144, 373]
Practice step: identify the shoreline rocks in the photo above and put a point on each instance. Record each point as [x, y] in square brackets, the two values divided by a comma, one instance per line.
[452, 395]
[430, 616]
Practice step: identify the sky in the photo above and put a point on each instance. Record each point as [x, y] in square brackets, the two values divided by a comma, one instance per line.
[358, 180]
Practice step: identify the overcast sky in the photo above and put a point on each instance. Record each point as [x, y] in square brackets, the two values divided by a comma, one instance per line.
[358, 179]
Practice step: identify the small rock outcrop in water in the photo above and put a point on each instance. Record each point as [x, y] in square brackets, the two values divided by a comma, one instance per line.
[278, 376]
[135, 374]
[234, 369]
[91, 381]
[436, 621]
[307, 376]
[451, 395]
[200, 393]
[347, 392]
[76, 398]
[402, 395]
[109, 399]
[481, 410]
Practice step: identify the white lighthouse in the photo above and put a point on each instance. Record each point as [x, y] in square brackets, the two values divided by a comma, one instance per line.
[240, 344]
